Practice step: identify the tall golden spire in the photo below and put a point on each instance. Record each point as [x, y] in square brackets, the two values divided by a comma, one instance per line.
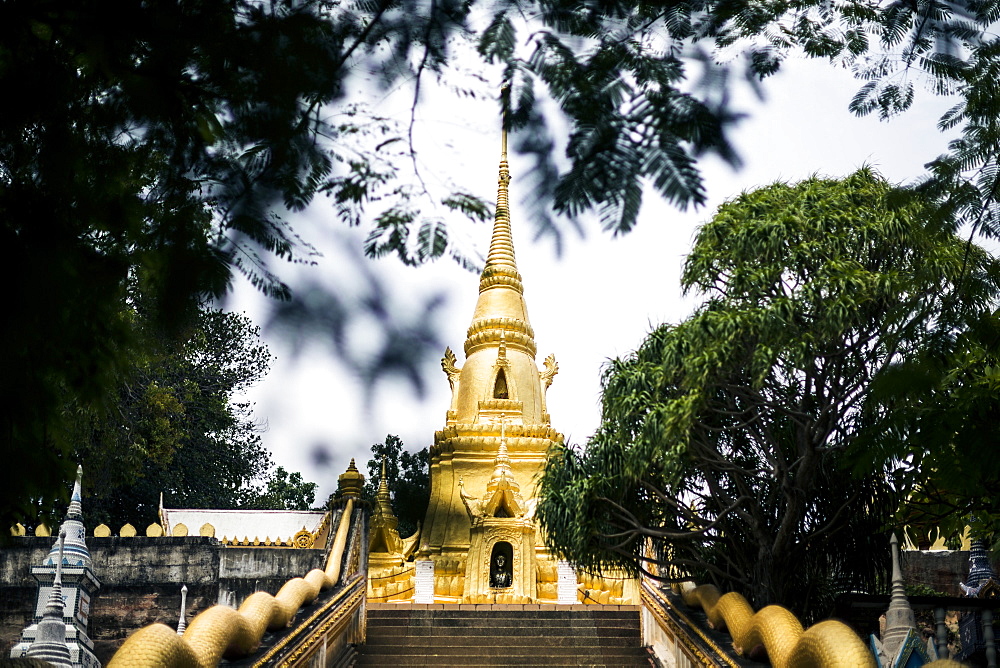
[502, 243]
[384, 536]
[497, 433]
[501, 305]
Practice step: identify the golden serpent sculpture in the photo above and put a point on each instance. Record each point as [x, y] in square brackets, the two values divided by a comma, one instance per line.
[222, 631]
[827, 644]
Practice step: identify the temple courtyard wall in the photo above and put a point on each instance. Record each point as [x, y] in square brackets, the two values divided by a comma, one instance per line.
[141, 579]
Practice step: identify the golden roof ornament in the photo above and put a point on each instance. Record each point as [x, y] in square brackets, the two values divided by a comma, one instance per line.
[503, 494]
[383, 503]
[350, 483]
[384, 533]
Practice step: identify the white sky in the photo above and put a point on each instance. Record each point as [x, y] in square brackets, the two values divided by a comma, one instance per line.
[595, 302]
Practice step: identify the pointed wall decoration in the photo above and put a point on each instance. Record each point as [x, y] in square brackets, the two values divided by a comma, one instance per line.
[67, 574]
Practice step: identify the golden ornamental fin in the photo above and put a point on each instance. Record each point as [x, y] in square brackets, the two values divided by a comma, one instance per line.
[551, 369]
[448, 365]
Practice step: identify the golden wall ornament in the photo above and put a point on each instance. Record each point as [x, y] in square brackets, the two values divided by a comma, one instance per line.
[303, 539]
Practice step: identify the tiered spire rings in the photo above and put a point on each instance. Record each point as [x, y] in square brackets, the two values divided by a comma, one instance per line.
[501, 273]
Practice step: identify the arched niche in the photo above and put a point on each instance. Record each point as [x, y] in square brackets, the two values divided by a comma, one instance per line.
[501, 389]
[502, 565]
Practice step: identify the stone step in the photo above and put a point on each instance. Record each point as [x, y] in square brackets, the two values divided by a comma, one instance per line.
[626, 657]
[451, 635]
[638, 660]
[488, 628]
[508, 620]
[495, 635]
[534, 641]
[494, 651]
[480, 625]
[498, 655]
[492, 609]
[476, 611]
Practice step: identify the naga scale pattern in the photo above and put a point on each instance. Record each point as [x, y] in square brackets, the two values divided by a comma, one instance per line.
[827, 644]
[222, 631]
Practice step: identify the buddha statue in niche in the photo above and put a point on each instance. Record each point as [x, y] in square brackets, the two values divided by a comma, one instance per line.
[501, 568]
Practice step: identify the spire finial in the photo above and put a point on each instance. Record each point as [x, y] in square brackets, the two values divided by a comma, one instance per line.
[75, 552]
[182, 622]
[502, 244]
[505, 120]
[56, 602]
[75, 510]
[383, 493]
[899, 619]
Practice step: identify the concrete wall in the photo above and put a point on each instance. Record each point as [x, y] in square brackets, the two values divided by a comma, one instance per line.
[941, 570]
[141, 579]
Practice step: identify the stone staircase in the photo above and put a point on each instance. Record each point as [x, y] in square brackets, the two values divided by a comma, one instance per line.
[502, 635]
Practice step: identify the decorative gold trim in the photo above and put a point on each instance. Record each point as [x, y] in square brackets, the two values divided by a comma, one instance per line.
[303, 539]
[657, 607]
[354, 594]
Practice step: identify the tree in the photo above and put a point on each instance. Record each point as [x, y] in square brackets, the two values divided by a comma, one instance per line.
[727, 446]
[165, 157]
[176, 429]
[286, 491]
[943, 405]
[408, 479]
[172, 153]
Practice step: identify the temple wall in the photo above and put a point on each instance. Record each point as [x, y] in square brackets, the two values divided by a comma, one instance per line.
[941, 570]
[141, 579]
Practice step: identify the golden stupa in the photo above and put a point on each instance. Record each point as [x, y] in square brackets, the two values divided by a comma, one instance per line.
[480, 529]
[480, 541]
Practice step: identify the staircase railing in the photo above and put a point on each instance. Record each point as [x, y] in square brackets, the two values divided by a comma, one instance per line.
[673, 637]
[329, 626]
[330, 629]
[827, 644]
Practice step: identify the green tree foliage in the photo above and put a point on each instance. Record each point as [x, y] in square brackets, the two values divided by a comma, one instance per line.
[726, 444]
[944, 405]
[174, 427]
[285, 491]
[171, 152]
[408, 478]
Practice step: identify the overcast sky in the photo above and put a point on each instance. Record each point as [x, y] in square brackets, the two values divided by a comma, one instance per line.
[597, 301]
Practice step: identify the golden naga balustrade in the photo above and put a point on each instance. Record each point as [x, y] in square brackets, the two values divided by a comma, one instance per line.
[222, 631]
[826, 644]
